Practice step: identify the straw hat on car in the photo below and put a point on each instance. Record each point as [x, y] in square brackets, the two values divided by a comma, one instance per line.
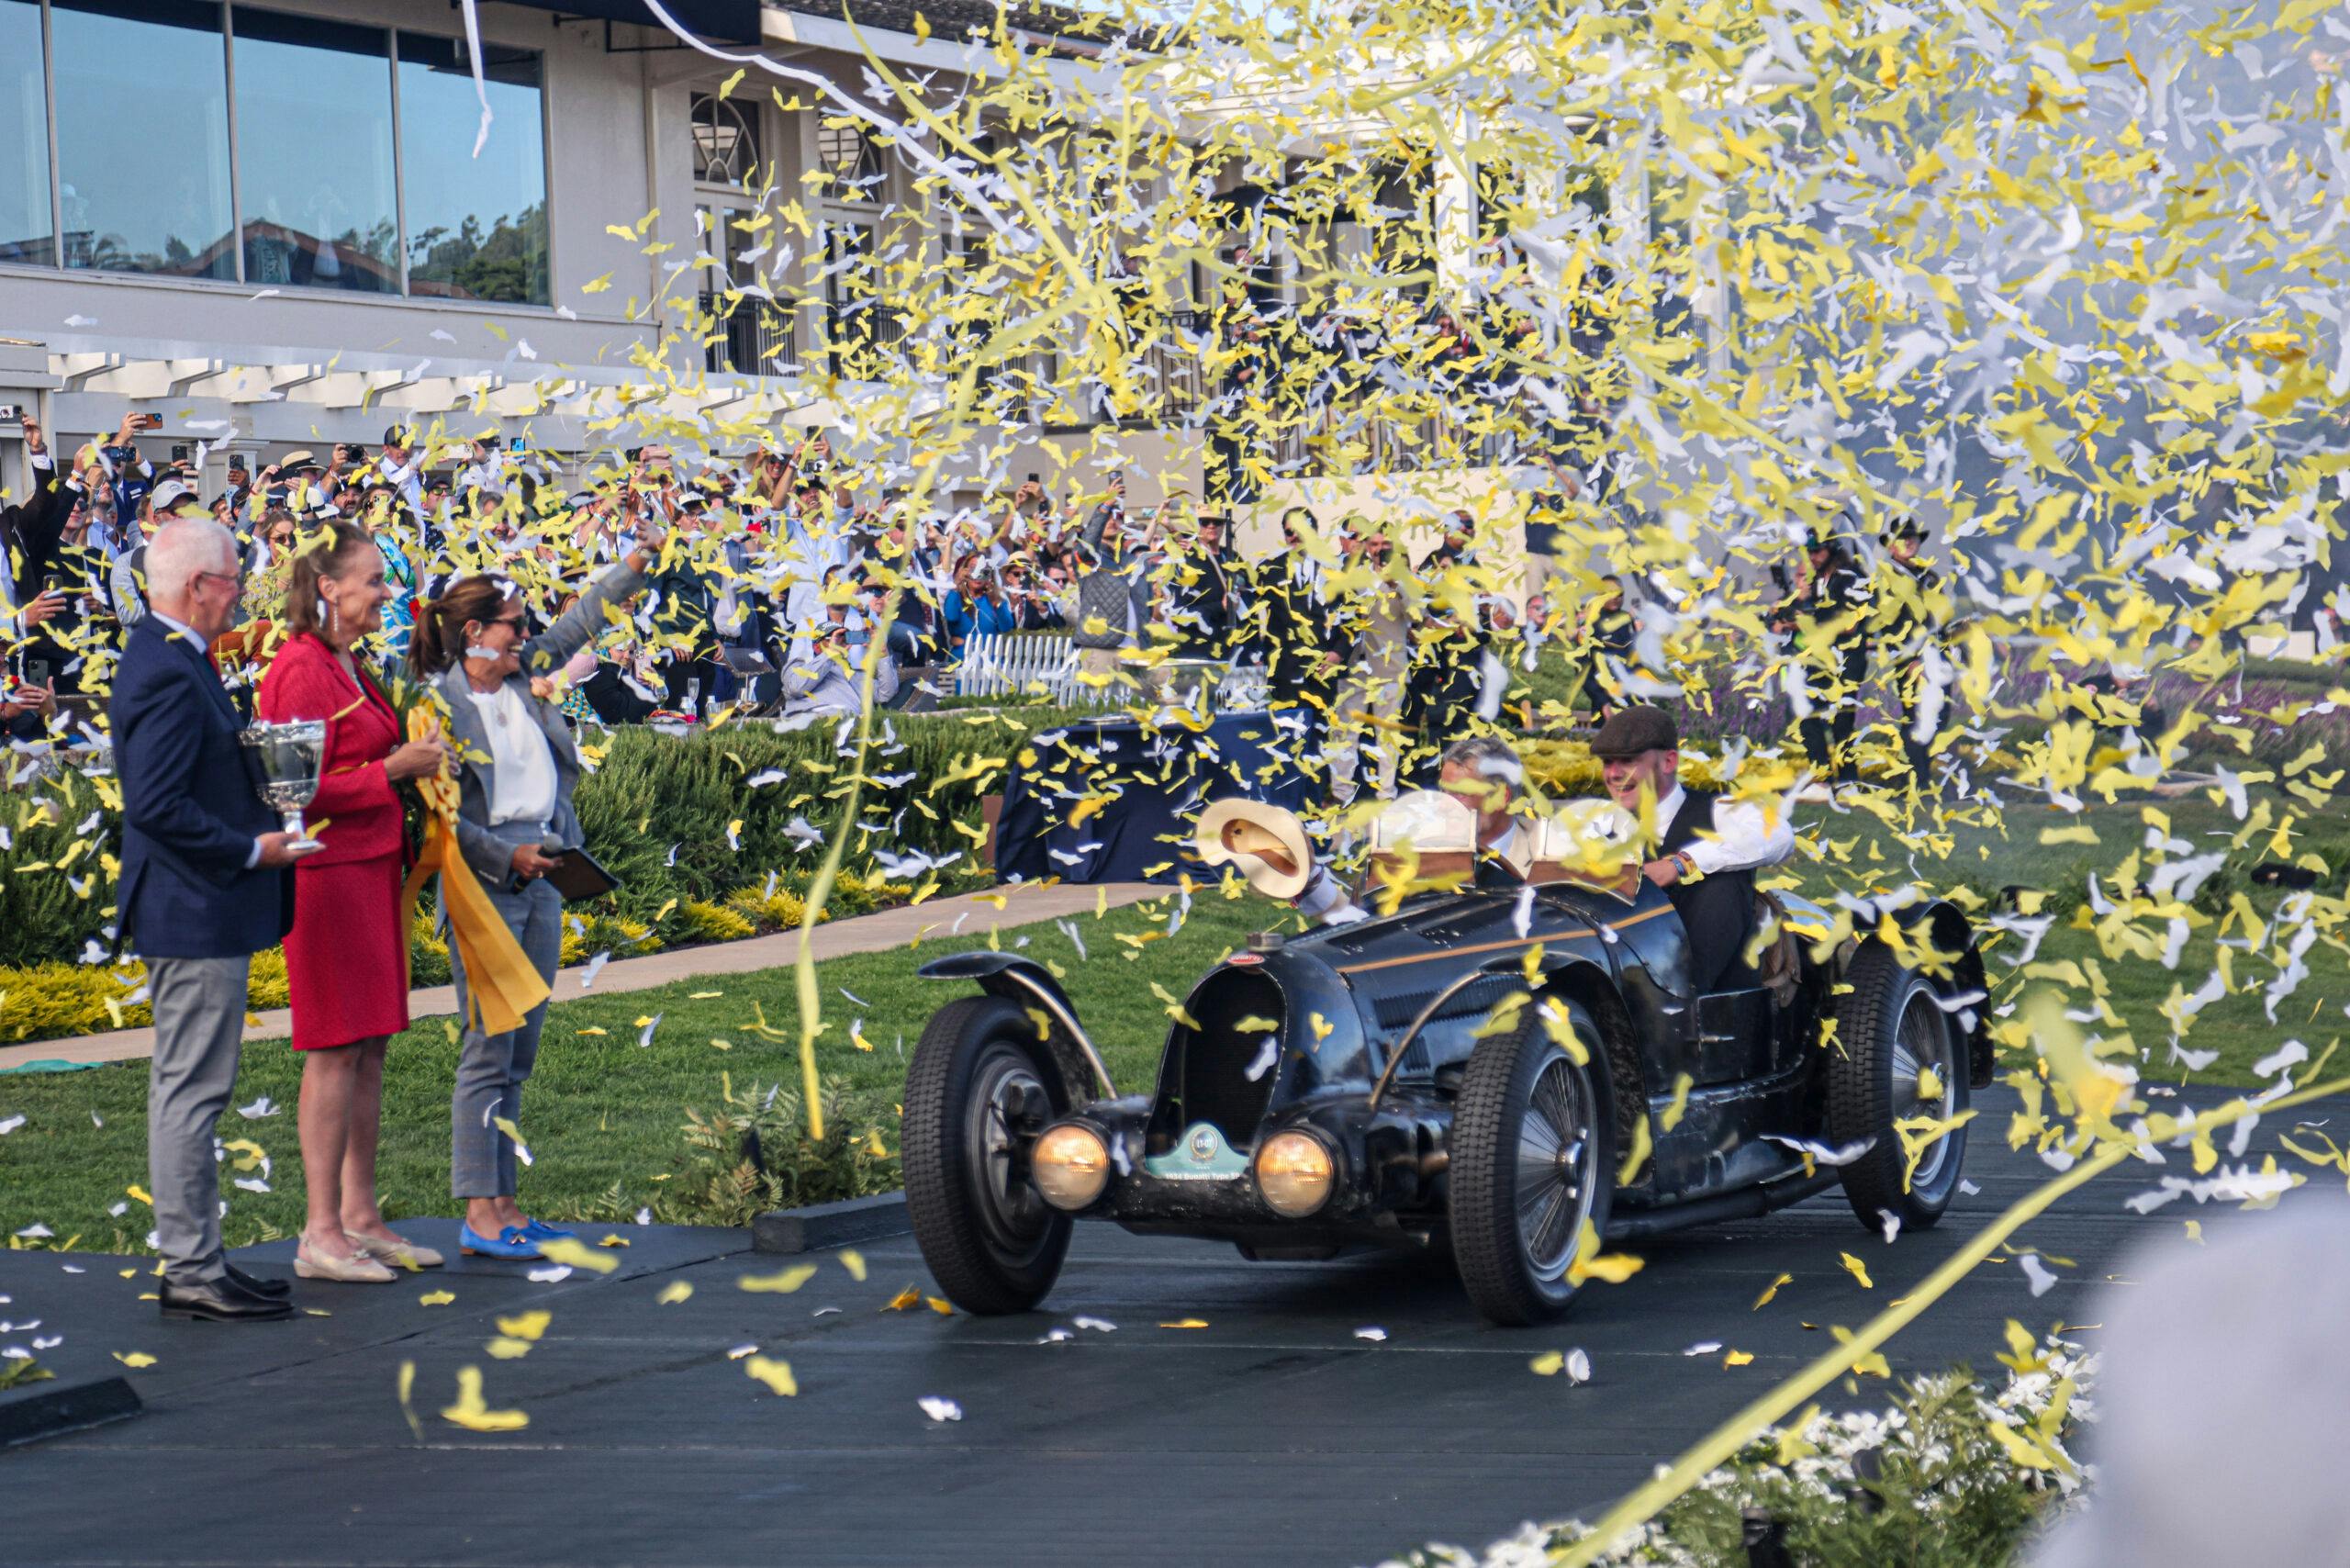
[1266, 844]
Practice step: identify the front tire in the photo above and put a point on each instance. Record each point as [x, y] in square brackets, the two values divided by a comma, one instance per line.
[1898, 1055]
[1532, 1159]
[980, 1078]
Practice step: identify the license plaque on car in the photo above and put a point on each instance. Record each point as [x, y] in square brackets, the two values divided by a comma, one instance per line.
[1200, 1154]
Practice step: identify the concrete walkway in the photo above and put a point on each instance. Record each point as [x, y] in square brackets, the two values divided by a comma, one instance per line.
[873, 933]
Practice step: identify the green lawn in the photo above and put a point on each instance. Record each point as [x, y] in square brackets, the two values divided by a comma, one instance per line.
[600, 1110]
[603, 1114]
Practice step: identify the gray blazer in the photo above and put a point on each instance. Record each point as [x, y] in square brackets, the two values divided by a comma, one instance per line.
[491, 857]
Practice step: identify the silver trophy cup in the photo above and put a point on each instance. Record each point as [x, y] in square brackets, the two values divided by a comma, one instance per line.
[287, 756]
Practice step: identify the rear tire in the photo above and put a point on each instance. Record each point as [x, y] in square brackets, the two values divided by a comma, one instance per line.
[1889, 1026]
[1532, 1158]
[991, 1241]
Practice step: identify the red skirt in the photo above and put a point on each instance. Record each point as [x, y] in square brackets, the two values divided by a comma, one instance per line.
[345, 958]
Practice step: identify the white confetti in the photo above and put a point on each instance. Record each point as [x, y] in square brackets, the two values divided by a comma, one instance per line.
[939, 1409]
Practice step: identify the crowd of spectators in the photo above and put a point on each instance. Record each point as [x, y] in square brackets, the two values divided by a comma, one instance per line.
[780, 574]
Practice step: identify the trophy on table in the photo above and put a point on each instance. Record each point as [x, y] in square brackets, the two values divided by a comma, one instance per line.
[288, 756]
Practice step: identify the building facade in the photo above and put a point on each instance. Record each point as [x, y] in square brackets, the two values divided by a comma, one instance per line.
[288, 223]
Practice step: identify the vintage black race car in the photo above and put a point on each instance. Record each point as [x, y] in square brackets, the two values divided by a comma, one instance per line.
[1415, 1080]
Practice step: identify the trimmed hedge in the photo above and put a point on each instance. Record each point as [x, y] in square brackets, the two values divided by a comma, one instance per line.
[657, 810]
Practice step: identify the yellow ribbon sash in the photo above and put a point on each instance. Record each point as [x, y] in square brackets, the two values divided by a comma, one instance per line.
[502, 984]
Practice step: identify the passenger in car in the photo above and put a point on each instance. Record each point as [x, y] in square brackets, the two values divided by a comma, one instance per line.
[1481, 775]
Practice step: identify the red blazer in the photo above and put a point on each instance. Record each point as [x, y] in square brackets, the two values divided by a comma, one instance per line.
[355, 799]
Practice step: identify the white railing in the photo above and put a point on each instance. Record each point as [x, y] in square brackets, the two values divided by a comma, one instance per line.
[1033, 664]
[1024, 664]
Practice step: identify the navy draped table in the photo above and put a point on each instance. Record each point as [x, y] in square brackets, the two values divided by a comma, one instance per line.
[1151, 785]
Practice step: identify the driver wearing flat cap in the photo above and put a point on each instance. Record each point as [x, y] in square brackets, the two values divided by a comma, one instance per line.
[1706, 847]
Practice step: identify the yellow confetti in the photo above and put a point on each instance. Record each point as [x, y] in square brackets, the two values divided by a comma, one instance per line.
[774, 1373]
[528, 1326]
[1858, 1269]
[579, 1254]
[1770, 1290]
[674, 1293]
[854, 1262]
[1548, 1363]
[135, 1358]
[436, 1298]
[474, 1414]
[1186, 1323]
[782, 1283]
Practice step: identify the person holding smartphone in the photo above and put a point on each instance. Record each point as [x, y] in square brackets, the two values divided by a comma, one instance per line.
[26, 712]
[31, 533]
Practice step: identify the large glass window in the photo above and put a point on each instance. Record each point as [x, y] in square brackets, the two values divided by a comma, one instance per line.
[25, 217]
[476, 227]
[142, 136]
[314, 153]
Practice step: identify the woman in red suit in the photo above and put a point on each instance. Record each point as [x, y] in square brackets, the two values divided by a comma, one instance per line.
[346, 958]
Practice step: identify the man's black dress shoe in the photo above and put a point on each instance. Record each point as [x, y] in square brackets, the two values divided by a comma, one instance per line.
[272, 1290]
[220, 1301]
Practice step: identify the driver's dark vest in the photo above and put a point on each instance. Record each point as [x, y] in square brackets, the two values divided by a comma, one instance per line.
[1717, 911]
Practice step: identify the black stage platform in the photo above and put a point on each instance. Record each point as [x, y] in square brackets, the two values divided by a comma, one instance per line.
[1274, 1434]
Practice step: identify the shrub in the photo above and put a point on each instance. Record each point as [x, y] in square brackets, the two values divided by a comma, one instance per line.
[778, 911]
[45, 1001]
[1956, 1475]
[753, 1153]
[56, 880]
[714, 921]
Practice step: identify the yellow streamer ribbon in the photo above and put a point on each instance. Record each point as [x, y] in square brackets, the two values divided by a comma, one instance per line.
[501, 983]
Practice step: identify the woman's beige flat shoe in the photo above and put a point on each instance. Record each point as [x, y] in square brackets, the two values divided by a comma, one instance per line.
[398, 1254]
[356, 1269]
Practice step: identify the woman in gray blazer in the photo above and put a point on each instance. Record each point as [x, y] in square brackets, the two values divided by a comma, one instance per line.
[516, 772]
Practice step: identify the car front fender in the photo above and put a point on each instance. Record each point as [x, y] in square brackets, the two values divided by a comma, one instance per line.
[1028, 983]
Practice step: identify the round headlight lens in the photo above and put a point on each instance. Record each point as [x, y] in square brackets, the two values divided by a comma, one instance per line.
[1071, 1165]
[1294, 1171]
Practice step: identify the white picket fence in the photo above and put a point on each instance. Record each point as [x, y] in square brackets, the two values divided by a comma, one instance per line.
[1022, 663]
[1028, 664]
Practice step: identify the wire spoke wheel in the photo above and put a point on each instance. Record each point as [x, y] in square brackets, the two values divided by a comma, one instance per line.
[1015, 1215]
[1901, 1060]
[980, 1087]
[1530, 1135]
[1925, 1064]
[1554, 1174]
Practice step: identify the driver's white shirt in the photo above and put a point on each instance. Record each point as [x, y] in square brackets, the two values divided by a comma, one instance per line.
[1745, 835]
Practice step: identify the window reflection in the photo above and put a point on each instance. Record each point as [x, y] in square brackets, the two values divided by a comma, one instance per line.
[142, 136]
[476, 227]
[24, 138]
[319, 208]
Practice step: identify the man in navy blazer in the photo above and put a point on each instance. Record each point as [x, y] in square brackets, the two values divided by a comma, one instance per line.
[206, 883]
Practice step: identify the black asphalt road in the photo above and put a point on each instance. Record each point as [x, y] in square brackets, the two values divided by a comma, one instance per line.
[1273, 1434]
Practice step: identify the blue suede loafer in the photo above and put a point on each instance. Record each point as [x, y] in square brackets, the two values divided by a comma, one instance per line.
[512, 1242]
[539, 1230]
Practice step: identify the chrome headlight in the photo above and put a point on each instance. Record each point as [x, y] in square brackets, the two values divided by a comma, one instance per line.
[1294, 1171]
[1070, 1164]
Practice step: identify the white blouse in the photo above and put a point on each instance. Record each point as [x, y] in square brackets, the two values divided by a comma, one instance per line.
[522, 780]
